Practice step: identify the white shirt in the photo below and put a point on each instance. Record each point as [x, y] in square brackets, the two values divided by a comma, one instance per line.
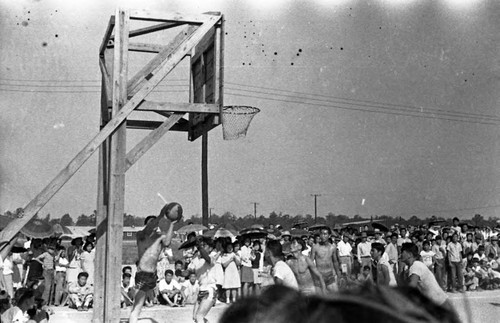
[283, 272]
[364, 249]
[205, 271]
[191, 291]
[427, 283]
[344, 248]
[163, 285]
[8, 266]
[15, 315]
[63, 262]
[427, 257]
[246, 253]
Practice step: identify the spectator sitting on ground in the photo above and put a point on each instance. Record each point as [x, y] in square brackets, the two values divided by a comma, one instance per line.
[24, 310]
[81, 294]
[190, 288]
[170, 290]
[366, 275]
[127, 298]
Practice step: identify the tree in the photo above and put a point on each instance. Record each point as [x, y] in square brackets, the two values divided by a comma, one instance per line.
[67, 220]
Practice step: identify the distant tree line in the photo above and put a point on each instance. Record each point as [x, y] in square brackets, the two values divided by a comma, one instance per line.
[285, 220]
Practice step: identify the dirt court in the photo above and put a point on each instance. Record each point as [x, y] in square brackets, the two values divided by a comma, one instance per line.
[156, 314]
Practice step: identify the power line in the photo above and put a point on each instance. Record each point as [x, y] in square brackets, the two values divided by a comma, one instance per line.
[380, 106]
[414, 108]
[360, 109]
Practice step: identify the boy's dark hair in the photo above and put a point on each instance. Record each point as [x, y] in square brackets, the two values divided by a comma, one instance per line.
[83, 274]
[146, 220]
[179, 262]
[456, 219]
[379, 247]
[126, 275]
[178, 272]
[169, 271]
[275, 248]
[366, 268]
[411, 248]
[426, 242]
[125, 268]
[300, 241]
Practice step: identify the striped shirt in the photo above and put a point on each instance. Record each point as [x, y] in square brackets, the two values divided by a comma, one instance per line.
[48, 260]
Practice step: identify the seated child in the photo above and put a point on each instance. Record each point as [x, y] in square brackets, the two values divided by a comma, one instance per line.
[170, 290]
[190, 288]
[127, 295]
[366, 275]
[81, 294]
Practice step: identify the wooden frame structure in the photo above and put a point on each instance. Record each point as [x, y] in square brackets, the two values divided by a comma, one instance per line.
[201, 39]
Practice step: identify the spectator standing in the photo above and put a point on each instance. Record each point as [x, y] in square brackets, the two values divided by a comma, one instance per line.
[74, 258]
[428, 256]
[282, 273]
[246, 268]
[230, 261]
[61, 268]
[455, 258]
[364, 248]
[87, 261]
[439, 249]
[345, 255]
[48, 259]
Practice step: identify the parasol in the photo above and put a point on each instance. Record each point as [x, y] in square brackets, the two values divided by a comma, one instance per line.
[61, 229]
[299, 224]
[224, 233]
[232, 228]
[191, 228]
[380, 226]
[37, 228]
[317, 227]
[299, 233]
[253, 233]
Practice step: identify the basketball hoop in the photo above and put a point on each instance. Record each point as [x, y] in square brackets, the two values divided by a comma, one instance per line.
[236, 120]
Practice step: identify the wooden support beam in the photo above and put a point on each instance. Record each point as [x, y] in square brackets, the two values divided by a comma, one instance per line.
[178, 107]
[204, 179]
[107, 35]
[143, 146]
[145, 48]
[101, 217]
[138, 79]
[151, 29]
[182, 125]
[151, 80]
[154, 15]
[116, 203]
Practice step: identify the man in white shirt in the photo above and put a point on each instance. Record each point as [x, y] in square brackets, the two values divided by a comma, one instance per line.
[190, 289]
[364, 248]
[345, 255]
[281, 272]
[203, 266]
[170, 289]
[419, 276]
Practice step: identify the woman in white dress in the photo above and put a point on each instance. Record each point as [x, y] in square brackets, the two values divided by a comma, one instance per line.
[230, 262]
[74, 257]
[87, 261]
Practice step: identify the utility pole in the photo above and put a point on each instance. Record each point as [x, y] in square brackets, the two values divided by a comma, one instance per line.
[210, 213]
[315, 206]
[255, 209]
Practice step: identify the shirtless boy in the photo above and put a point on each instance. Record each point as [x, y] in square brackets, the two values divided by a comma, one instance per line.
[304, 268]
[150, 242]
[326, 258]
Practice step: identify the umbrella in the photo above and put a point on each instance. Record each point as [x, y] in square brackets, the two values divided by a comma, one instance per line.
[253, 233]
[231, 227]
[299, 232]
[223, 233]
[257, 226]
[37, 228]
[299, 224]
[380, 226]
[191, 228]
[317, 227]
[209, 233]
[61, 229]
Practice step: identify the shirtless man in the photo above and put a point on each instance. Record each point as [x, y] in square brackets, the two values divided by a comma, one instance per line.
[150, 242]
[303, 268]
[325, 255]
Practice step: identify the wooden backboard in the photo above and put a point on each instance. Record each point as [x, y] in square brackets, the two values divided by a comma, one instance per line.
[207, 81]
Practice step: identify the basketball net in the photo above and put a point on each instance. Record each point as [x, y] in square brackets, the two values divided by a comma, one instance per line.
[236, 120]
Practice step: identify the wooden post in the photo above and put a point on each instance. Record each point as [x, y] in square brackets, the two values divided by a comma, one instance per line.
[116, 205]
[204, 178]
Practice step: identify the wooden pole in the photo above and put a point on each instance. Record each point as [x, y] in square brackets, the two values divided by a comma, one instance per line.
[116, 204]
[204, 178]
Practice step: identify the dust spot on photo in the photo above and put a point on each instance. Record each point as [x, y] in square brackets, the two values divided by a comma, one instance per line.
[24, 23]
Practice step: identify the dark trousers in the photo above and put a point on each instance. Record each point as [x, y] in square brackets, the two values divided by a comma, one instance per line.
[48, 277]
[457, 275]
[440, 273]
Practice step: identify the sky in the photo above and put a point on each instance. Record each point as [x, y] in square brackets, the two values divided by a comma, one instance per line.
[381, 107]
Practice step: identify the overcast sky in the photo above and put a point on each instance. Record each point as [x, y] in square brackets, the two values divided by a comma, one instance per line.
[390, 102]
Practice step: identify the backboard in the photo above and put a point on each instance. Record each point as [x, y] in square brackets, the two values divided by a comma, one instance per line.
[207, 81]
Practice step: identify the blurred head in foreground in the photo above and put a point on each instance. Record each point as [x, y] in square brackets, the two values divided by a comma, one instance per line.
[369, 303]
